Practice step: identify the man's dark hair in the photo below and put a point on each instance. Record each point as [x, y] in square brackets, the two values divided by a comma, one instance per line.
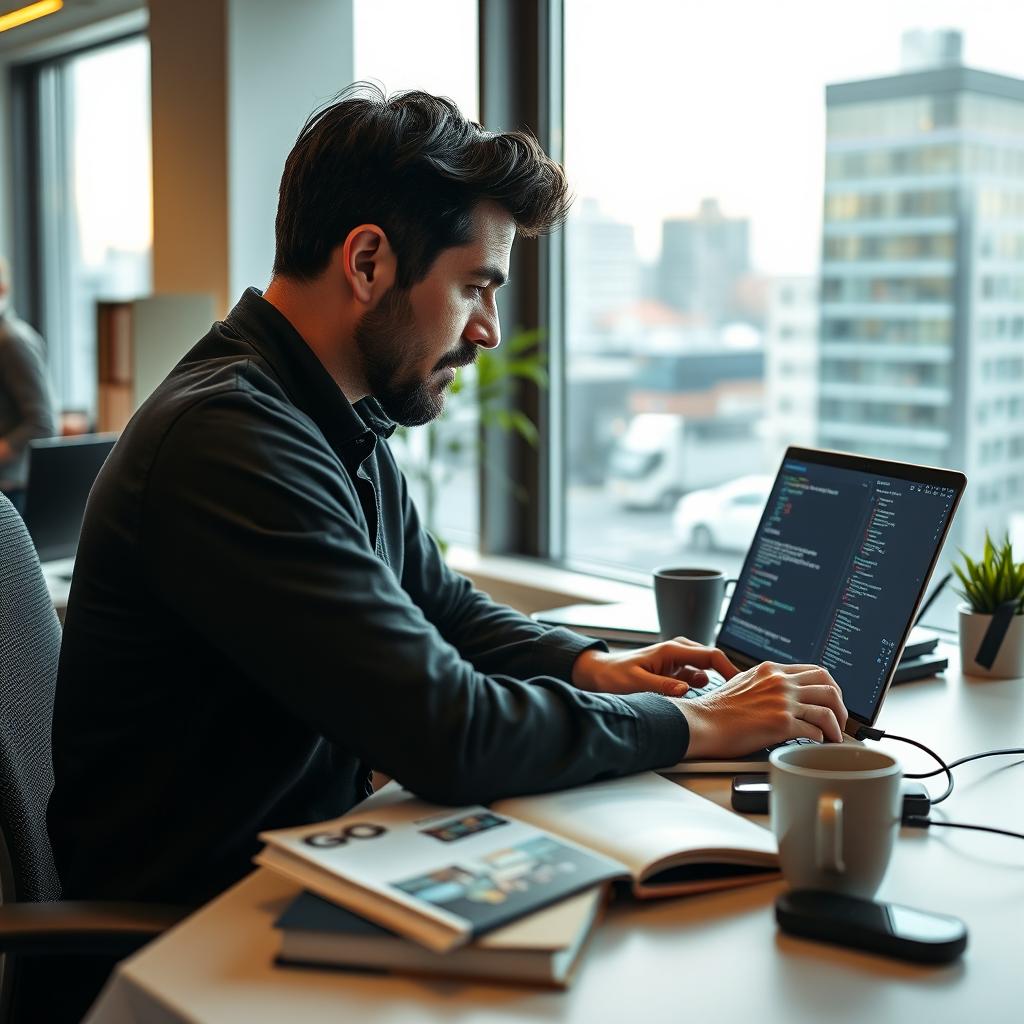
[414, 166]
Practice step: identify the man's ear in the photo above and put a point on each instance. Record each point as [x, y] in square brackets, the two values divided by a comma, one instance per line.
[368, 263]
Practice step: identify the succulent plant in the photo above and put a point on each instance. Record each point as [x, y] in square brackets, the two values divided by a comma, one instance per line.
[993, 580]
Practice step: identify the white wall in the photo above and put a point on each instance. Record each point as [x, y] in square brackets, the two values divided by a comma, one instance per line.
[284, 60]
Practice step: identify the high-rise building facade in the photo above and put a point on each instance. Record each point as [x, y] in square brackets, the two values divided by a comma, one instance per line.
[922, 291]
[605, 275]
[703, 260]
[791, 365]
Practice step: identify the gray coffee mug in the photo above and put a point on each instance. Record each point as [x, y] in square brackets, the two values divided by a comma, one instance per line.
[689, 602]
[835, 811]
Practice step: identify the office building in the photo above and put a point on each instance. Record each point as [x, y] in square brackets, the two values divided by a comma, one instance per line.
[605, 274]
[922, 314]
[791, 364]
[703, 261]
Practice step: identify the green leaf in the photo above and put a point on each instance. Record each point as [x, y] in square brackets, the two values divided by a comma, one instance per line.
[521, 341]
[525, 427]
[993, 580]
[528, 369]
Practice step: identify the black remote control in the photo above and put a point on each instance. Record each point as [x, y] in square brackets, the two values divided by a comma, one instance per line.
[884, 928]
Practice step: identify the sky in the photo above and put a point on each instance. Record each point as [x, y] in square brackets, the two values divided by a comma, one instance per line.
[669, 101]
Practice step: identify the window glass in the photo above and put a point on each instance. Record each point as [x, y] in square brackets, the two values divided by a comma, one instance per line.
[441, 460]
[97, 211]
[779, 222]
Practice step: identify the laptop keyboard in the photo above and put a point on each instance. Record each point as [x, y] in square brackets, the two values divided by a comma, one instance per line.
[715, 682]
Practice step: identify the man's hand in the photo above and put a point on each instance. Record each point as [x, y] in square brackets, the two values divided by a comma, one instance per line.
[6, 451]
[764, 705]
[669, 668]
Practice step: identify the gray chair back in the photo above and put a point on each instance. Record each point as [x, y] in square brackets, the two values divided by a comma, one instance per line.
[29, 650]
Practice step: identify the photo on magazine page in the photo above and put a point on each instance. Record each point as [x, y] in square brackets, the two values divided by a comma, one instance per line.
[499, 885]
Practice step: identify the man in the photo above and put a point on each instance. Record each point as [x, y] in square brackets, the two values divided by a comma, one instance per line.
[258, 618]
[26, 411]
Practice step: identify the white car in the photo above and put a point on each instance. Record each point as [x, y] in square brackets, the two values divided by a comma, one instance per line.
[723, 517]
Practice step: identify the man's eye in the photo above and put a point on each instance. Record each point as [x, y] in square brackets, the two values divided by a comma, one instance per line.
[477, 289]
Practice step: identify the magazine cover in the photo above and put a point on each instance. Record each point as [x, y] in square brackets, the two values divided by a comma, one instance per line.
[456, 873]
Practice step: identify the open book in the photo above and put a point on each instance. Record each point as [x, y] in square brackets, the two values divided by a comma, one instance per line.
[443, 876]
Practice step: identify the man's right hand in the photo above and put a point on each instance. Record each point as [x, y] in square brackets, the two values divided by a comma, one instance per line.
[765, 705]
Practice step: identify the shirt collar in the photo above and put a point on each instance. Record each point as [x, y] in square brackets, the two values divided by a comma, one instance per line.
[303, 376]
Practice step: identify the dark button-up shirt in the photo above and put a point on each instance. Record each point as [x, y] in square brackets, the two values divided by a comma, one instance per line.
[257, 618]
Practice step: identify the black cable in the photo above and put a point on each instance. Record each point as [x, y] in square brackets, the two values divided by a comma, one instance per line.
[930, 600]
[916, 821]
[919, 821]
[964, 760]
[876, 734]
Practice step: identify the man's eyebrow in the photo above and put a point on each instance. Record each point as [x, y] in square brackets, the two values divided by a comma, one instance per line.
[492, 274]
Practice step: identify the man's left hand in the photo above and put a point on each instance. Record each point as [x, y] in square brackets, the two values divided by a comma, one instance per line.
[669, 668]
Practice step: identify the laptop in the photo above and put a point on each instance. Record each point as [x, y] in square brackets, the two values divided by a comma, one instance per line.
[836, 572]
[61, 471]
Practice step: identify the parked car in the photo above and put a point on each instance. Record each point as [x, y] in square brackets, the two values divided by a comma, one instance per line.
[724, 517]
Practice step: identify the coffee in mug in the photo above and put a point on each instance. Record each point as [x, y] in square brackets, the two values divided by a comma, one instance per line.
[689, 602]
[835, 812]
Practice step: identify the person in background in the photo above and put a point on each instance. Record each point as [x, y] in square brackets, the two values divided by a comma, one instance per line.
[26, 408]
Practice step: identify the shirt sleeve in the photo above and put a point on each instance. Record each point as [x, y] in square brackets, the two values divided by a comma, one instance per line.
[492, 636]
[257, 543]
[24, 380]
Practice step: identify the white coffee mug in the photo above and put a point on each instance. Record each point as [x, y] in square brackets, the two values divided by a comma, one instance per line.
[835, 812]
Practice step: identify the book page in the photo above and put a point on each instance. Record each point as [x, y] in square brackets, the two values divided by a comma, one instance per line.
[644, 820]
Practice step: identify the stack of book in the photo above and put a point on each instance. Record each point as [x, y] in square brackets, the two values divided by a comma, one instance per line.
[508, 892]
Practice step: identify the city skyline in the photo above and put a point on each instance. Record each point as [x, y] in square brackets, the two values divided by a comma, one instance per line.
[753, 107]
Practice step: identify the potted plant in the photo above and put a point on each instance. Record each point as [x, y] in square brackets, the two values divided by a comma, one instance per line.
[477, 399]
[992, 619]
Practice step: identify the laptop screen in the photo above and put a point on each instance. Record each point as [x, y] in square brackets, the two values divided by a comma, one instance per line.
[838, 566]
[61, 471]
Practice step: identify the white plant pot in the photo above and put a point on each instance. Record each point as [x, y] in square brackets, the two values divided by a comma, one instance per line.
[1009, 661]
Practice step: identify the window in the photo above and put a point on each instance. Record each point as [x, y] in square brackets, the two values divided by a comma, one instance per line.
[93, 225]
[725, 170]
[440, 461]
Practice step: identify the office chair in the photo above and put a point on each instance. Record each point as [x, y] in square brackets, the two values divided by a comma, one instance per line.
[33, 919]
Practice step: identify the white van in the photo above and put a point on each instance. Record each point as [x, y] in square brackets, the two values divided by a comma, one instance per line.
[662, 456]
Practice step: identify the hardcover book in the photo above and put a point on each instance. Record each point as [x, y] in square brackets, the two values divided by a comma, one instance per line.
[541, 949]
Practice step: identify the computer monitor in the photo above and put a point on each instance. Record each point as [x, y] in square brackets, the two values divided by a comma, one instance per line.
[61, 471]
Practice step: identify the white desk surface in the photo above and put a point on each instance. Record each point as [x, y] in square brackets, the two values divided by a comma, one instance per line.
[711, 958]
[57, 574]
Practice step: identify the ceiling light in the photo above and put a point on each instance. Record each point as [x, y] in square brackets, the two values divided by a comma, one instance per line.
[30, 12]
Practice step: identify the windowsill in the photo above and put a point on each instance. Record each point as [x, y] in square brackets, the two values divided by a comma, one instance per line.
[531, 585]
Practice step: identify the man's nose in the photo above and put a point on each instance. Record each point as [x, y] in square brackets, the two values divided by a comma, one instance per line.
[484, 331]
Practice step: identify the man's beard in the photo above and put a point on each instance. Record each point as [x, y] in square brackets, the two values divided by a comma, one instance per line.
[387, 342]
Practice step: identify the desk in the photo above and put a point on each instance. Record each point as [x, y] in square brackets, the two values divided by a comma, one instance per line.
[57, 574]
[710, 958]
